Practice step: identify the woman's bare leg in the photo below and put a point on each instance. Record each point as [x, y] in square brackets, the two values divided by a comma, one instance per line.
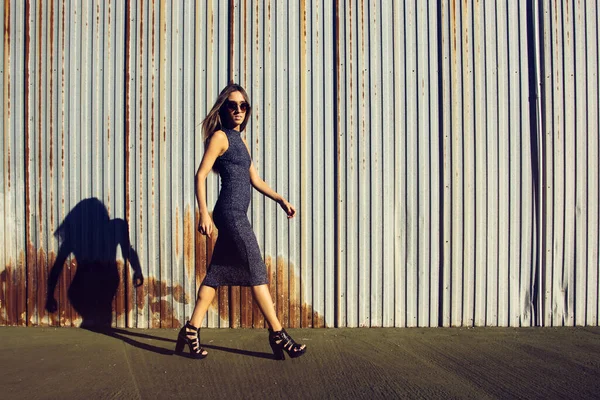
[206, 294]
[265, 303]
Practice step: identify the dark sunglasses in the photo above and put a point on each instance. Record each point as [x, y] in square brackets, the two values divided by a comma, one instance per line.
[233, 106]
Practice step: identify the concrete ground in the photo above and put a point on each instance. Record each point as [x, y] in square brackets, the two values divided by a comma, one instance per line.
[68, 363]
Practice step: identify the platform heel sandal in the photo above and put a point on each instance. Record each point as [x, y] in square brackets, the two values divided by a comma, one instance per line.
[190, 335]
[281, 341]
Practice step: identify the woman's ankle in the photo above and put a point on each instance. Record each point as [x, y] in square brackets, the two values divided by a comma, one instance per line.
[195, 324]
[275, 328]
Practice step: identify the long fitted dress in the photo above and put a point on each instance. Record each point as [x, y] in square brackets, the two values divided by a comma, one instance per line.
[236, 257]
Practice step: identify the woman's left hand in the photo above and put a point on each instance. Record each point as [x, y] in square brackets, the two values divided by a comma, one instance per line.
[288, 208]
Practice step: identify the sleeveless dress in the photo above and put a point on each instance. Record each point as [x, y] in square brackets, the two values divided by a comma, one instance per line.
[236, 257]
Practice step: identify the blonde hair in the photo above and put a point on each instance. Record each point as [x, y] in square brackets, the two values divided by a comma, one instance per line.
[212, 122]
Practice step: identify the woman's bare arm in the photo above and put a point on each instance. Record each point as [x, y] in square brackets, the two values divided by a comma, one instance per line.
[259, 184]
[217, 145]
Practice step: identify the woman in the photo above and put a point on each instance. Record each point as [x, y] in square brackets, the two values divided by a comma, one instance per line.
[236, 257]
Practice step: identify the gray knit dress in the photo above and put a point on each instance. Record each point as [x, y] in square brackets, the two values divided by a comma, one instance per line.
[236, 257]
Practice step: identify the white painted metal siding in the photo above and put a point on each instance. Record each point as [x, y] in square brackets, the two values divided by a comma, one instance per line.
[443, 157]
[571, 163]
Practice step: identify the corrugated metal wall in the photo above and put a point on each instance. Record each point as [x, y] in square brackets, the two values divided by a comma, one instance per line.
[571, 162]
[442, 177]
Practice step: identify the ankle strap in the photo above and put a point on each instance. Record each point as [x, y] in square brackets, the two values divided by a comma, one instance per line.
[190, 326]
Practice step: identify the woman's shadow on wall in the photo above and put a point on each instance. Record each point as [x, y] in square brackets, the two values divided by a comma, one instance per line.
[92, 237]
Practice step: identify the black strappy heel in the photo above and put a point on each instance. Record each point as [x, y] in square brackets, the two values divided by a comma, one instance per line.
[281, 341]
[192, 339]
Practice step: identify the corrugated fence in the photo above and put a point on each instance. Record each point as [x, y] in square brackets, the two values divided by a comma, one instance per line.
[443, 157]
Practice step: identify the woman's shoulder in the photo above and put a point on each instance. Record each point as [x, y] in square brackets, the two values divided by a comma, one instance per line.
[219, 136]
[218, 139]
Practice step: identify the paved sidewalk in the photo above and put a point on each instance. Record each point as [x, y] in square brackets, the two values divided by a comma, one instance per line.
[69, 363]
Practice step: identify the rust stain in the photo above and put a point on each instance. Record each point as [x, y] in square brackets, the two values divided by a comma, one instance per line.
[119, 302]
[51, 105]
[62, 99]
[557, 47]
[318, 319]
[282, 294]
[8, 278]
[40, 135]
[127, 116]
[123, 302]
[68, 316]
[257, 315]
[155, 310]
[268, 40]
[4, 287]
[210, 246]
[49, 318]
[303, 13]
[246, 307]
[179, 294]
[234, 306]
[212, 27]
[140, 298]
[22, 270]
[158, 288]
[130, 294]
[244, 42]
[188, 242]
[307, 317]
[294, 299]
[140, 216]
[27, 116]
[166, 312]
[200, 251]
[7, 80]
[31, 284]
[64, 281]
[223, 307]
[453, 21]
[161, 309]
[110, 73]
[42, 279]
[153, 57]
[256, 113]
[258, 319]
[231, 37]
[351, 83]
[154, 292]
[19, 281]
[466, 31]
[272, 274]
[177, 249]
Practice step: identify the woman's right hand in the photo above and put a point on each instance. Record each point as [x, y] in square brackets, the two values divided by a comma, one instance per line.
[205, 225]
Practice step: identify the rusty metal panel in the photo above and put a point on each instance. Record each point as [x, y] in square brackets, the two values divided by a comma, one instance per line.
[177, 64]
[7, 216]
[442, 119]
[4, 133]
[402, 131]
[19, 122]
[282, 54]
